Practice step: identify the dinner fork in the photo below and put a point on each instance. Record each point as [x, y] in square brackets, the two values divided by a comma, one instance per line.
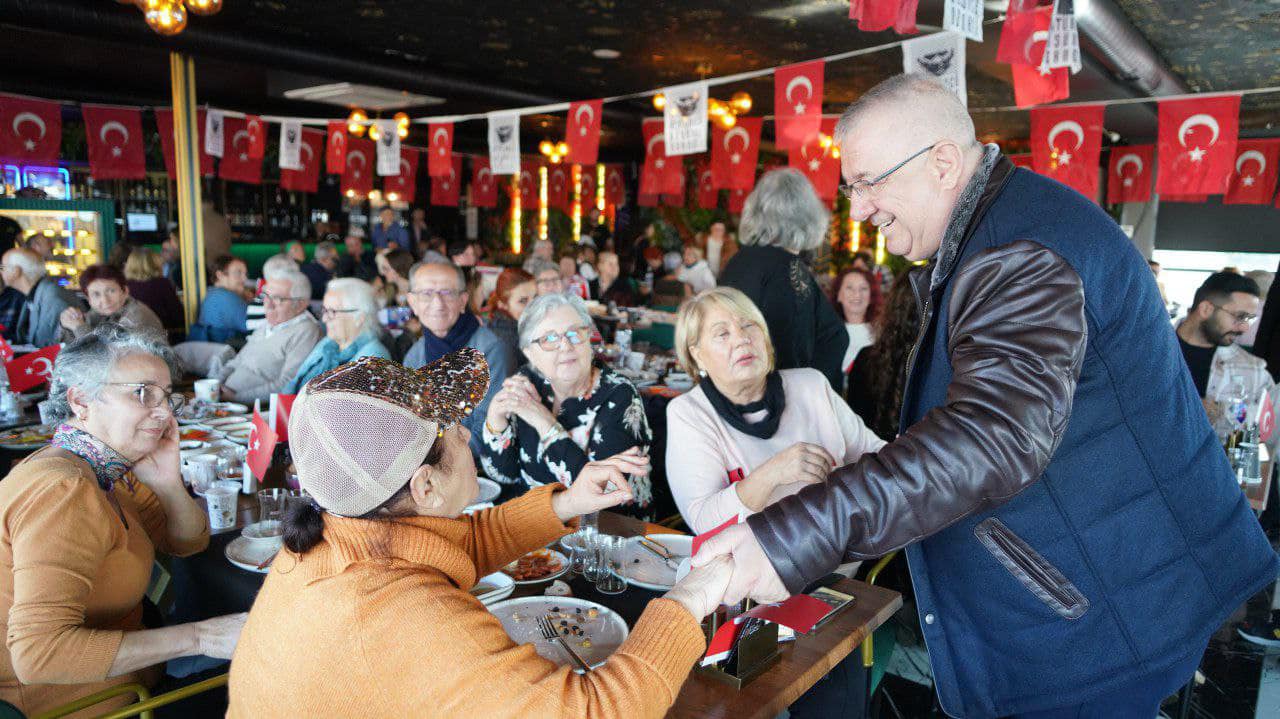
[549, 633]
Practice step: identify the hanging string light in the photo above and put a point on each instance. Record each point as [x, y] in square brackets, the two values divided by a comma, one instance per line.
[356, 121]
[402, 124]
[515, 214]
[542, 202]
[169, 17]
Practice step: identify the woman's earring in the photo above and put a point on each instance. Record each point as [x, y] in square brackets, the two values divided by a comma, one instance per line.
[702, 373]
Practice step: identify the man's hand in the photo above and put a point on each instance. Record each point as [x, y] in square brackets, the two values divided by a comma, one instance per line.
[753, 575]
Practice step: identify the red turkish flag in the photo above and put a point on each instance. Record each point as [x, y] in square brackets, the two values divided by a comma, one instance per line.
[1197, 144]
[660, 174]
[1033, 85]
[440, 151]
[559, 177]
[529, 183]
[1129, 174]
[1021, 161]
[32, 370]
[6, 349]
[405, 184]
[1020, 24]
[737, 198]
[358, 176]
[797, 103]
[115, 139]
[1190, 199]
[257, 130]
[446, 190]
[587, 186]
[582, 131]
[876, 15]
[708, 195]
[647, 200]
[237, 164]
[262, 442]
[1266, 417]
[676, 199]
[30, 129]
[615, 185]
[284, 402]
[484, 186]
[1066, 144]
[734, 153]
[307, 177]
[819, 165]
[1254, 180]
[164, 123]
[335, 153]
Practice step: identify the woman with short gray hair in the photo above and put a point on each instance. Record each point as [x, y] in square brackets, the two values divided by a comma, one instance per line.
[83, 519]
[350, 317]
[562, 411]
[783, 218]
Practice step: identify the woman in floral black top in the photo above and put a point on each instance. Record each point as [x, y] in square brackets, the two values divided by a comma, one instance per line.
[562, 411]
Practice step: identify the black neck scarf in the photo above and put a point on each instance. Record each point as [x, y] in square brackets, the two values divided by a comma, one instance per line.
[775, 399]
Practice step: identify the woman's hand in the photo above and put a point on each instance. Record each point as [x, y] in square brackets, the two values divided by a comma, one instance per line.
[519, 397]
[801, 462]
[600, 485]
[703, 588]
[161, 470]
[217, 637]
[71, 318]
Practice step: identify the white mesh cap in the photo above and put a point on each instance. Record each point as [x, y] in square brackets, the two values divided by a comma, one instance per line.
[357, 433]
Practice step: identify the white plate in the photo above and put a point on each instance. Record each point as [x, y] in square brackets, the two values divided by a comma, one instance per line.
[213, 433]
[564, 567]
[192, 444]
[606, 631]
[207, 410]
[239, 436]
[650, 572]
[489, 490]
[228, 421]
[247, 554]
[501, 587]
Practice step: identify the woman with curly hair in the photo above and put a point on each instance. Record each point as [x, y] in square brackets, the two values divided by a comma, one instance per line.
[878, 377]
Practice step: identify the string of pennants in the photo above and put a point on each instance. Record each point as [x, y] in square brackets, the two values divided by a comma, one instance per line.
[1197, 145]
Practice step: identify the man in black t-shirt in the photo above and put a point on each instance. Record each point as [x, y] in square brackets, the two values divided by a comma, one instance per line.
[1221, 311]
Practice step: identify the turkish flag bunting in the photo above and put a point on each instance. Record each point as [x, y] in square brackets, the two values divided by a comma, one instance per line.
[734, 153]
[1254, 180]
[262, 442]
[446, 189]
[1033, 85]
[587, 186]
[615, 185]
[1017, 33]
[818, 164]
[558, 181]
[440, 151]
[1266, 416]
[529, 181]
[358, 176]
[797, 103]
[306, 178]
[237, 164]
[484, 186]
[405, 184]
[257, 130]
[114, 136]
[32, 370]
[1191, 198]
[708, 195]
[737, 198]
[284, 402]
[582, 131]
[1197, 145]
[876, 15]
[1129, 174]
[676, 199]
[6, 349]
[1066, 144]
[660, 174]
[335, 153]
[164, 123]
[1021, 161]
[30, 129]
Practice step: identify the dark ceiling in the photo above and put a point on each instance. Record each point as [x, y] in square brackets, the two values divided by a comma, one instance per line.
[483, 56]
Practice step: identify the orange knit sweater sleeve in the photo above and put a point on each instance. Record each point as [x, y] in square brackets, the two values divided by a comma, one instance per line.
[504, 533]
[156, 523]
[456, 660]
[59, 533]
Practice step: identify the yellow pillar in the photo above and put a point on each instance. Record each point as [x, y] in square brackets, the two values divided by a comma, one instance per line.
[186, 165]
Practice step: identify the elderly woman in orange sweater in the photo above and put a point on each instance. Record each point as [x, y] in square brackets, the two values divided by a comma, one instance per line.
[81, 520]
[369, 614]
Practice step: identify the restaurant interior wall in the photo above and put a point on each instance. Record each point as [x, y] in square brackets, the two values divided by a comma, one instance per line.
[1216, 227]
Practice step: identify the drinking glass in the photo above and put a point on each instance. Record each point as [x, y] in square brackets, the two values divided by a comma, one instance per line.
[204, 472]
[594, 567]
[580, 548]
[612, 550]
[271, 504]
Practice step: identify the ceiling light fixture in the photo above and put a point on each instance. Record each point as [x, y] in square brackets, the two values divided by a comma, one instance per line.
[605, 53]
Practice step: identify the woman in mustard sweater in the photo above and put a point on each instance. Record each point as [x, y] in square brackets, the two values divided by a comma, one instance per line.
[369, 614]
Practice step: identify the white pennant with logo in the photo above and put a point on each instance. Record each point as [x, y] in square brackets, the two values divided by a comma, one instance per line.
[964, 17]
[388, 148]
[504, 144]
[214, 123]
[941, 56]
[290, 145]
[685, 118]
[1062, 49]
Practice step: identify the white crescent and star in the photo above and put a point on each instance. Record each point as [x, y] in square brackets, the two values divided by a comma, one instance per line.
[481, 176]
[441, 147]
[1200, 119]
[577, 117]
[32, 118]
[1252, 155]
[1067, 126]
[798, 80]
[736, 157]
[304, 147]
[356, 154]
[48, 367]
[1129, 158]
[124, 134]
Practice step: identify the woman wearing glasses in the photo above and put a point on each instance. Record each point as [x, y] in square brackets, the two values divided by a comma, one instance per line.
[350, 317]
[82, 521]
[562, 411]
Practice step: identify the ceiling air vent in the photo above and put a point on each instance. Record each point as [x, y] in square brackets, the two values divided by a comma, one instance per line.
[369, 97]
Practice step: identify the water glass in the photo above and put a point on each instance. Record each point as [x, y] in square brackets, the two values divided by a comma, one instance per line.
[611, 550]
[271, 504]
[594, 564]
[580, 549]
[204, 472]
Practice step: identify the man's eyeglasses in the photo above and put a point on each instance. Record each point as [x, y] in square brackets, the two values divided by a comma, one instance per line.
[152, 395]
[270, 299]
[1241, 318]
[862, 188]
[442, 295]
[551, 341]
[329, 313]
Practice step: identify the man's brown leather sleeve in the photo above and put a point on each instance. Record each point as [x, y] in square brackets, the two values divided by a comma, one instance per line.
[1017, 341]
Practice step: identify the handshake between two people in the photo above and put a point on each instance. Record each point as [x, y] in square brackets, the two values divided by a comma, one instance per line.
[728, 567]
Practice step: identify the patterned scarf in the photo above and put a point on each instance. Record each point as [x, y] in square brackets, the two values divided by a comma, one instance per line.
[108, 464]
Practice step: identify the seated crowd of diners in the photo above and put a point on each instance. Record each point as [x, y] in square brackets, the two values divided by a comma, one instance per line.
[386, 435]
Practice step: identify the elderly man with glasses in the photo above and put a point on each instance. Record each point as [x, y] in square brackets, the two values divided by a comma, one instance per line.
[274, 352]
[1073, 528]
[438, 296]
